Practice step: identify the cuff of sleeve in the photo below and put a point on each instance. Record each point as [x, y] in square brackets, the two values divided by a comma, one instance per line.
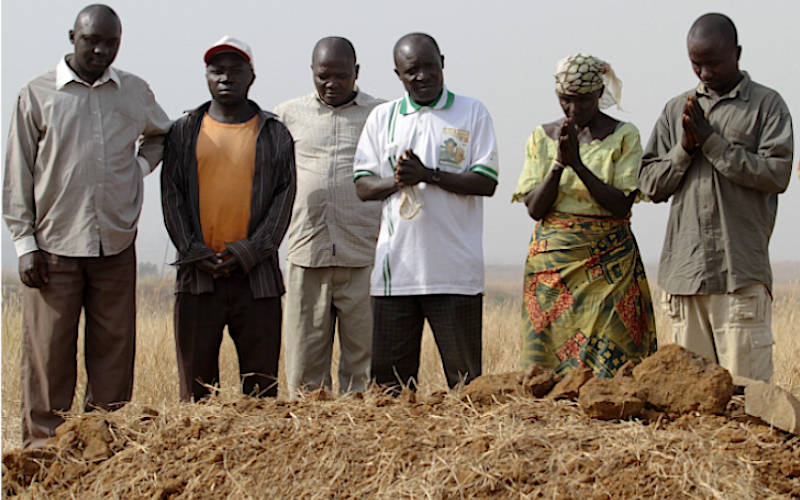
[485, 170]
[679, 158]
[144, 166]
[714, 147]
[361, 173]
[197, 251]
[245, 252]
[26, 244]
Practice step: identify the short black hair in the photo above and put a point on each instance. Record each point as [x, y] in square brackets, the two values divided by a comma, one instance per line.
[412, 36]
[714, 23]
[338, 41]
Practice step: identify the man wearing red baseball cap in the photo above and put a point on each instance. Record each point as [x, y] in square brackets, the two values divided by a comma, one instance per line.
[227, 189]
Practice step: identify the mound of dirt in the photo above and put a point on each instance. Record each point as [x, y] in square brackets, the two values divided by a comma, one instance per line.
[437, 447]
[497, 437]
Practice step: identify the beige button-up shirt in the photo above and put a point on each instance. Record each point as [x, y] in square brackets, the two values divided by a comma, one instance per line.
[330, 225]
[725, 196]
[73, 175]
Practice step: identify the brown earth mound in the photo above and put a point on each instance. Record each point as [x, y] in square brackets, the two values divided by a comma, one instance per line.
[492, 439]
[390, 448]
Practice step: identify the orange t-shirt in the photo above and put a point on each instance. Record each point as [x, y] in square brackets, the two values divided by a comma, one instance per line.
[226, 154]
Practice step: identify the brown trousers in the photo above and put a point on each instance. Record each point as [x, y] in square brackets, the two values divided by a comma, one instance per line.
[105, 288]
[253, 324]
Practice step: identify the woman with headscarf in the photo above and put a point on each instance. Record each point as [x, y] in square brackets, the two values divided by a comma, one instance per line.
[586, 301]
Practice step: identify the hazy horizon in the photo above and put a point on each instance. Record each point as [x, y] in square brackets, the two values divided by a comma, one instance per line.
[503, 55]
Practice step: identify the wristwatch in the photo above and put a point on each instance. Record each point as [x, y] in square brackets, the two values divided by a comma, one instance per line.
[435, 177]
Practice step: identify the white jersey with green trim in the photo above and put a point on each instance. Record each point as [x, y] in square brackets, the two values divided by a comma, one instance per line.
[440, 250]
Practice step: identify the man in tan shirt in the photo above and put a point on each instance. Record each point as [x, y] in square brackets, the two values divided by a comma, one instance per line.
[332, 236]
[72, 195]
[227, 188]
[722, 152]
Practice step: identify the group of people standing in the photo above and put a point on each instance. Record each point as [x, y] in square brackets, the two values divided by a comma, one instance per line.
[383, 206]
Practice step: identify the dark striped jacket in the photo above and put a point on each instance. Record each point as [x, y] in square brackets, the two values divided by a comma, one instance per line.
[274, 188]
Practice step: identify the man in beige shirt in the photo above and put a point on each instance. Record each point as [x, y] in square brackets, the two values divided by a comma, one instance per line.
[71, 199]
[722, 152]
[332, 234]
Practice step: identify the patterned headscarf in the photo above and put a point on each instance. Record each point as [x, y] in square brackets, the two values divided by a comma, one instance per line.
[583, 73]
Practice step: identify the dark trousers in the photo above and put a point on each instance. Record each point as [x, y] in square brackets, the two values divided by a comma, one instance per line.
[456, 322]
[105, 288]
[253, 324]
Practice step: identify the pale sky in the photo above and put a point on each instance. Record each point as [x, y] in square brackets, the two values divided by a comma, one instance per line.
[502, 53]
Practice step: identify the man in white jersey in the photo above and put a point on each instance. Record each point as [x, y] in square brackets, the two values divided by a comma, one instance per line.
[431, 157]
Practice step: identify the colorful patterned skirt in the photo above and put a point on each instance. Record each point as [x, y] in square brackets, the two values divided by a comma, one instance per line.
[586, 301]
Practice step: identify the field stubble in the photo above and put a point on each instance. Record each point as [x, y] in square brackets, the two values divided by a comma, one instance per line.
[569, 444]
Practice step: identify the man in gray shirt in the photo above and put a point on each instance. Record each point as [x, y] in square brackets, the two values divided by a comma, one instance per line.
[72, 195]
[332, 234]
[722, 152]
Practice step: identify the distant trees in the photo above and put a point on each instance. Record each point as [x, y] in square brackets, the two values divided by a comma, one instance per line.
[147, 269]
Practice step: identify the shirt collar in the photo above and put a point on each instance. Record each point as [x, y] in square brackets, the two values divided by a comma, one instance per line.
[444, 101]
[742, 89]
[358, 100]
[65, 75]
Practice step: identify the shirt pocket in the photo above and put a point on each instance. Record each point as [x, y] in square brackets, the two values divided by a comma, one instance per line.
[742, 138]
[123, 124]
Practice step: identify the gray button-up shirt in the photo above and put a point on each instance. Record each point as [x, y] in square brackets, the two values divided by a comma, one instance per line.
[725, 196]
[330, 225]
[73, 177]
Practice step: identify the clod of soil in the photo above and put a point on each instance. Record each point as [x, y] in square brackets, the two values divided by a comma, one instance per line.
[609, 398]
[539, 381]
[493, 388]
[571, 384]
[678, 381]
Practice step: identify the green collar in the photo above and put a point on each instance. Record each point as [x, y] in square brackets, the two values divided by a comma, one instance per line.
[444, 101]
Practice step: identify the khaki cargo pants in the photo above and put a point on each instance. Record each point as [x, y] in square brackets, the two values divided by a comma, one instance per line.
[731, 329]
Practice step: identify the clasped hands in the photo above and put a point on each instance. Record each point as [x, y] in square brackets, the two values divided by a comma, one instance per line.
[409, 170]
[696, 128]
[568, 152]
[219, 265]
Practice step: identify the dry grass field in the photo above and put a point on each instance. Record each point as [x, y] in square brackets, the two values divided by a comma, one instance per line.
[443, 448]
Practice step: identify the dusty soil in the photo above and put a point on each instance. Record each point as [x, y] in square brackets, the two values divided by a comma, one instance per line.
[385, 447]
[502, 436]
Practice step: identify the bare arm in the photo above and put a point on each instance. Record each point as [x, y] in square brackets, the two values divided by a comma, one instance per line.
[374, 188]
[410, 171]
[609, 197]
[540, 200]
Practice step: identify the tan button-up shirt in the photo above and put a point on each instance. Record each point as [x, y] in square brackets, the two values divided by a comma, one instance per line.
[725, 196]
[73, 176]
[330, 225]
